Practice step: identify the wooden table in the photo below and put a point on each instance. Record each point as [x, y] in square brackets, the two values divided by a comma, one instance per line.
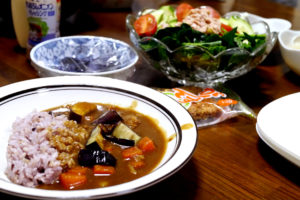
[230, 162]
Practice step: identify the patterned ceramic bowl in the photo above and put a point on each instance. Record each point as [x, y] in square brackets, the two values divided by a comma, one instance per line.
[84, 55]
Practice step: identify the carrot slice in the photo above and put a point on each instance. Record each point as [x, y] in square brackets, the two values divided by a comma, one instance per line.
[103, 169]
[71, 180]
[146, 144]
[136, 164]
[131, 152]
[78, 170]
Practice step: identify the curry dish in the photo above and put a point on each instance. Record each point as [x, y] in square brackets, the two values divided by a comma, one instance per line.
[124, 170]
[97, 145]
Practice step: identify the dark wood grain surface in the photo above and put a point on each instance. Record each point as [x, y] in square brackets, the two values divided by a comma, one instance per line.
[230, 162]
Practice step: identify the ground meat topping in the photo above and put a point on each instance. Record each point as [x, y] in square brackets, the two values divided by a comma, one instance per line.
[201, 20]
[68, 140]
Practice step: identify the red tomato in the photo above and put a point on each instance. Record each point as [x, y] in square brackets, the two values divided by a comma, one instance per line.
[225, 28]
[182, 11]
[145, 25]
[213, 13]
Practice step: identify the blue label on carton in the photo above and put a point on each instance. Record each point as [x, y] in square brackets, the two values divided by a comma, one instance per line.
[42, 19]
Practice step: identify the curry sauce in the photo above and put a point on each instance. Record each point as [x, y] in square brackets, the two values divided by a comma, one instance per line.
[141, 124]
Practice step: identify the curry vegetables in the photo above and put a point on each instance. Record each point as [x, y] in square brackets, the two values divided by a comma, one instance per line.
[97, 145]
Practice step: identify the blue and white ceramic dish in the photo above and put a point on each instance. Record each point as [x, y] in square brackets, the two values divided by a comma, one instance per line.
[84, 55]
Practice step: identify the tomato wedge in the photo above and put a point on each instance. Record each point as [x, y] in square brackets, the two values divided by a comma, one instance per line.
[212, 12]
[145, 25]
[225, 28]
[182, 11]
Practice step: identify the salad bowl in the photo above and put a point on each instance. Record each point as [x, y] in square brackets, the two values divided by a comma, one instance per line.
[194, 65]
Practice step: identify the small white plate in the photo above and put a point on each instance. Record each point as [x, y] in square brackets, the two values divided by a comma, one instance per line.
[278, 125]
[20, 98]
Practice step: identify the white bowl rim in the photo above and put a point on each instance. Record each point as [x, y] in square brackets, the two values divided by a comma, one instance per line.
[283, 45]
[66, 73]
[173, 165]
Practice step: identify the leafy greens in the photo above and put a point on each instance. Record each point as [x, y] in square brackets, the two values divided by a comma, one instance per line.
[211, 45]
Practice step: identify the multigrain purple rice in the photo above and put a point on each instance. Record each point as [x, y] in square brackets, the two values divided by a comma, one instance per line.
[41, 146]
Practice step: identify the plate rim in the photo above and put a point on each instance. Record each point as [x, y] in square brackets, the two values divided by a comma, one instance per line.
[277, 147]
[281, 150]
[17, 190]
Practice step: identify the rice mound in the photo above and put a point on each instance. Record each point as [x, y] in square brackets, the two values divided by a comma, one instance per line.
[30, 158]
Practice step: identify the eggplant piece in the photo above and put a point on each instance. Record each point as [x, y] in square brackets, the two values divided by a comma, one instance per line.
[93, 146]
[80, 109]
[91, 157]
[122, 131]
[109, 117]
[97, 137]
[120, 141]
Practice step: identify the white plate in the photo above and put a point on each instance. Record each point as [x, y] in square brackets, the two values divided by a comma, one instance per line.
[278, 125]
[21, 98]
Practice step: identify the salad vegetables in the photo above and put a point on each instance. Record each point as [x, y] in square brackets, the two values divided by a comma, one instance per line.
[203, 27]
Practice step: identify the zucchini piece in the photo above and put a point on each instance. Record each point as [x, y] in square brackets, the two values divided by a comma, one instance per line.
[124, 132]
[80, 109]
[100, 140]
[96, 136]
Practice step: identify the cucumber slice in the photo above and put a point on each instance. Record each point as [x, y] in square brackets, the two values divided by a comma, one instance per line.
[158, 14]
[124, 132]
[169, 11]
[224, 21]
[164, 15]
[241, 24]
[169, 16]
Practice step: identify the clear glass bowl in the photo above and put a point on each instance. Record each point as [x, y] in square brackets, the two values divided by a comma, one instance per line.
[179, 66]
